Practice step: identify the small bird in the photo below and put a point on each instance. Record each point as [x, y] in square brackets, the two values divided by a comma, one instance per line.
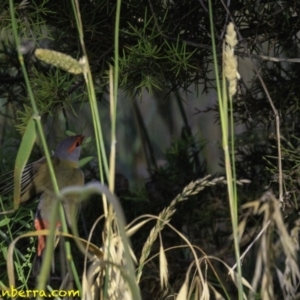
[36, 181]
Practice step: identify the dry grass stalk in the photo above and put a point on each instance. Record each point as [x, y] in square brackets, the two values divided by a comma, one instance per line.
[164, 217]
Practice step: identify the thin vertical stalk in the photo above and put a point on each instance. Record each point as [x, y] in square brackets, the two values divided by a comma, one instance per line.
[231, 184]
[50, 244]
[91, 92]
[102, 158]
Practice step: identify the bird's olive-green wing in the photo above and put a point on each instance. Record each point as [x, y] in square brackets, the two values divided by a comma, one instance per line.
[28, 188]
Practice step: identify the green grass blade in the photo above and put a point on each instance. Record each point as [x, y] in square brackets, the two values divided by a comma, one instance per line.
[24, 152]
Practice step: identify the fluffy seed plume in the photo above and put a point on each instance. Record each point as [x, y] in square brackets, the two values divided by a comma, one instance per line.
[230, 60]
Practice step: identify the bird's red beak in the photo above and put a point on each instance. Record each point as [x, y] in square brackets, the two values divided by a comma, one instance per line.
[80, 138]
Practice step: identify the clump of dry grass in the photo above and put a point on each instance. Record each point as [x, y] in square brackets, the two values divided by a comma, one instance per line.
[109, 274]
[277, 250]
[164, 217]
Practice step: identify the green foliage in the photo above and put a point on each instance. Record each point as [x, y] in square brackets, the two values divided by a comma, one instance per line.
[153, 62]
[52, 93]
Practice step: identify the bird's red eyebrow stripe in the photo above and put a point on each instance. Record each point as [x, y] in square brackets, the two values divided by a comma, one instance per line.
[79, 139]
